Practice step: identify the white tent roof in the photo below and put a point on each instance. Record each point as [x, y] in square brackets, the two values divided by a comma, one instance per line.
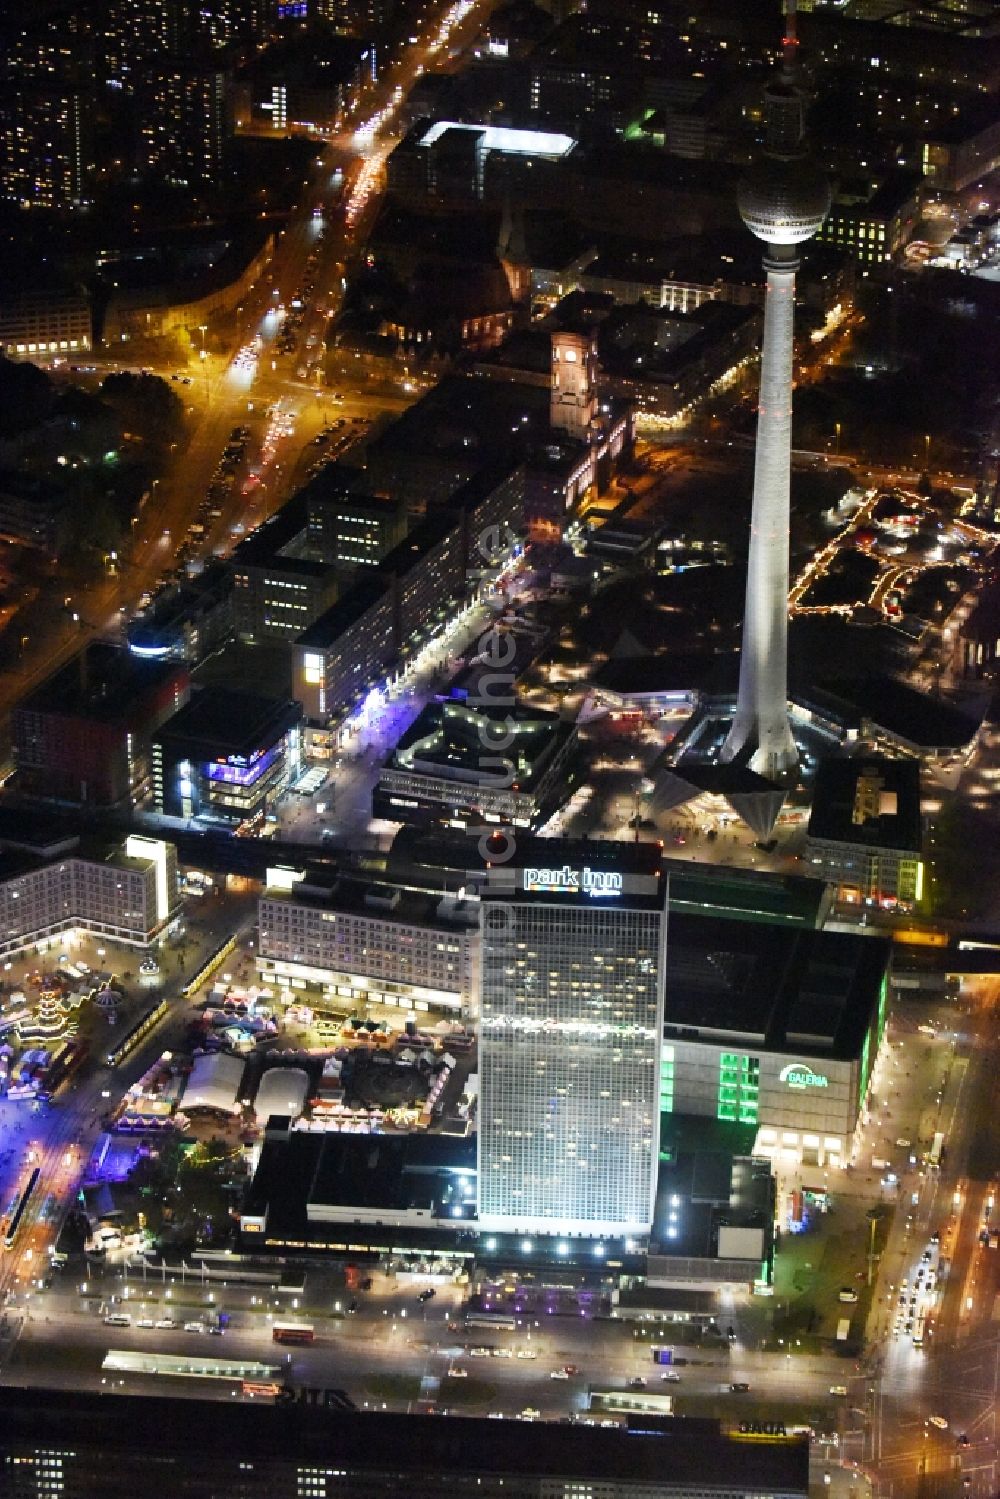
[283, 1090]
[214, 1083]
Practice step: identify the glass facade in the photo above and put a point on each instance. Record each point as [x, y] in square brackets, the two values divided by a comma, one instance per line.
[570, 1082]
[667, 1080]
[739, 1087]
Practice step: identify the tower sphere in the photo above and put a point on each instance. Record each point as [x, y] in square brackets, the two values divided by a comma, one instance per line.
[783, 201]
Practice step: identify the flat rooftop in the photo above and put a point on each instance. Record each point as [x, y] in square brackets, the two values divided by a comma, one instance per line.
[744, 894]
[900, 710]
[869, 800]
[442, 859]
[415, 545]
[328, 628]
[215, 1443]
[695, 259]
[477, 677]
[504, 138]
[303, 1173]
[362, 897]
[104, 683]
[477, 421]
[447, 739]
[267, 545]
[224, 721]
[678, 672]
[185, 599]
[15, 862]
[705, 1185]
[594, 876]
[784, 989]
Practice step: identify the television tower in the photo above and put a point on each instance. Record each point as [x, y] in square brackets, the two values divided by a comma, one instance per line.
[783, 200]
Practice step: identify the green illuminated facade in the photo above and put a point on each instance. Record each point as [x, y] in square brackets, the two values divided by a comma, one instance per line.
[739, 1087]
[873, 1040]
[667, 1080]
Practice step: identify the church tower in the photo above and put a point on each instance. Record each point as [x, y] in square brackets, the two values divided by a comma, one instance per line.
[573, 398]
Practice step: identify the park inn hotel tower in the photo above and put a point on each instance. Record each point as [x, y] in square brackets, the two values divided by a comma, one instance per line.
[573, 960]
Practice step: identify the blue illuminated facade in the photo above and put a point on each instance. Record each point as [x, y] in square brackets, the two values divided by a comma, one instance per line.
[226, 756]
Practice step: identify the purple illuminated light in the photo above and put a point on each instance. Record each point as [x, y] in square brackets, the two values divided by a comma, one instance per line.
[242, 775]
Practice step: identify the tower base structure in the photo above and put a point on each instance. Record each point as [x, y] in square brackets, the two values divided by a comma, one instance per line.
[757, 800]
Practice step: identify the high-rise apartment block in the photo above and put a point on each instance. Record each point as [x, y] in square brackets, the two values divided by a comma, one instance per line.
[46, 109]
[185, 120]
[573, 956]
[46, 155]
[367, 18]
[137, 35]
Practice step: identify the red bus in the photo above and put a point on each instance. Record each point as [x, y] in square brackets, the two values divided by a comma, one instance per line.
[254, 1387]
[293, 1332]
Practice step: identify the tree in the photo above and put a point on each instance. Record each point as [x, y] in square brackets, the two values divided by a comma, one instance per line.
[147, 406]
[25, 396]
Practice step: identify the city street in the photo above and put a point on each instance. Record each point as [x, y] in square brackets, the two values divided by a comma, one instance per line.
[393, 1334]
[954, 1376]
[368, 737]
[928, 1086]
[224, 392]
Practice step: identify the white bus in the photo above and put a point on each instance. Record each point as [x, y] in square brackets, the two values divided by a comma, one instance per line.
[934, 1155]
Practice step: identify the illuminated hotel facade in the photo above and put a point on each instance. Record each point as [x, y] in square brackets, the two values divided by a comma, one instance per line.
[572, 966]
[129, 895]
[347, 942]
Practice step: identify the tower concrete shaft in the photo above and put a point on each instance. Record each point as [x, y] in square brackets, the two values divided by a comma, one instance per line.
[761, 735]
